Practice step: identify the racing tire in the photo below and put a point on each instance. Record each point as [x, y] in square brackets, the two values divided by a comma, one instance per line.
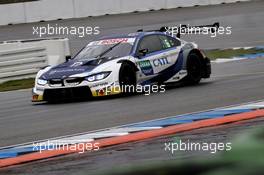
[127, 79]
[194, 69]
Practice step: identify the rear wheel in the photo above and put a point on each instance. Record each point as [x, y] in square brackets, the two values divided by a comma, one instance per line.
[194, 69]
[127, 78]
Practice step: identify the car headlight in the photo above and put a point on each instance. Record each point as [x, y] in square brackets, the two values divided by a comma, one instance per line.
[42, 82]
[97, 77]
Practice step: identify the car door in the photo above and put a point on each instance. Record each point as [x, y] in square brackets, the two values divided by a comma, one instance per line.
[154, 55]
[171, 48]
[150, 56]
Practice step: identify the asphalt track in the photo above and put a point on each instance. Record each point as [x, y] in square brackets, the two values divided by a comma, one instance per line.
[129, 156]
[231, 83]
[245, 18]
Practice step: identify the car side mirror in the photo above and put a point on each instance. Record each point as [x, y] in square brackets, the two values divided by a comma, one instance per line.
[68, 58]
[142, 52]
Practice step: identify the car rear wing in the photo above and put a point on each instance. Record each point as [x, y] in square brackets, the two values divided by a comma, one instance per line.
[186, 29]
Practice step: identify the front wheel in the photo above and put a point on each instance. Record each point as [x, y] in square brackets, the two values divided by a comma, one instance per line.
[194, 69]
[127, 78]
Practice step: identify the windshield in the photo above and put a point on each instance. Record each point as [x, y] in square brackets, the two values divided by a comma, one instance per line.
[119, 47]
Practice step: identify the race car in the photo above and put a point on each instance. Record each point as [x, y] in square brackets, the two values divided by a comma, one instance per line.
[103, 67]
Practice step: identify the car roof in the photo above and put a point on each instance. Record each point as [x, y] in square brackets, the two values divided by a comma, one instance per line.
[131, 35]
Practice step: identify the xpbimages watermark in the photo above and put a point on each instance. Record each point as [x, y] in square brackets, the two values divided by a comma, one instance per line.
[79, 146]
[130, 89]
[213, 30]
[79, 31]
[146, 89]
[212, 147]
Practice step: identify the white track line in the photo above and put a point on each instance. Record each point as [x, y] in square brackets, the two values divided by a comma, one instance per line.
[108, 131]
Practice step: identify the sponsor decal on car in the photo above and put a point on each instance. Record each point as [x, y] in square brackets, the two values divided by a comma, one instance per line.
[100, 84]
[113, 41]
[76, 64]
[160, 62]
[108, 90]
[66, 70]
[146, 67]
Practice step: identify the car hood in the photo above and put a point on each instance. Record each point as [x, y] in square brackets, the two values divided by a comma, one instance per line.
[71, 67]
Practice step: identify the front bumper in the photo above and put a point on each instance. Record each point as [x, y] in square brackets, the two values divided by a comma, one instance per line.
[37, 98]
[67, 93]
[79, 92]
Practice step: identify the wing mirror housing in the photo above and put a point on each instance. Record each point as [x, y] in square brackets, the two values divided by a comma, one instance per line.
[142, 52]
[68, 58]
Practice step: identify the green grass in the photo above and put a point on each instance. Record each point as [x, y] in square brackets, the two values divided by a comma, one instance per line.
[17, 84]
[229, 53]
[245, 158]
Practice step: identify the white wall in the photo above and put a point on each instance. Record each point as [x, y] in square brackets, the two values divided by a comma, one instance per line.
[142, 5]
[24, 59]
[84, 8]
[12, 13]
[45, 10]
[48, 10]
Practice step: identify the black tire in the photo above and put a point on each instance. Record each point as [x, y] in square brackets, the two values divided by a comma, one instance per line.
[127, 78]
[194, 69]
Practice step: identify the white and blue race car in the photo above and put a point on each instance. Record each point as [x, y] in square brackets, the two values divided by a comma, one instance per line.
[103, 67]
